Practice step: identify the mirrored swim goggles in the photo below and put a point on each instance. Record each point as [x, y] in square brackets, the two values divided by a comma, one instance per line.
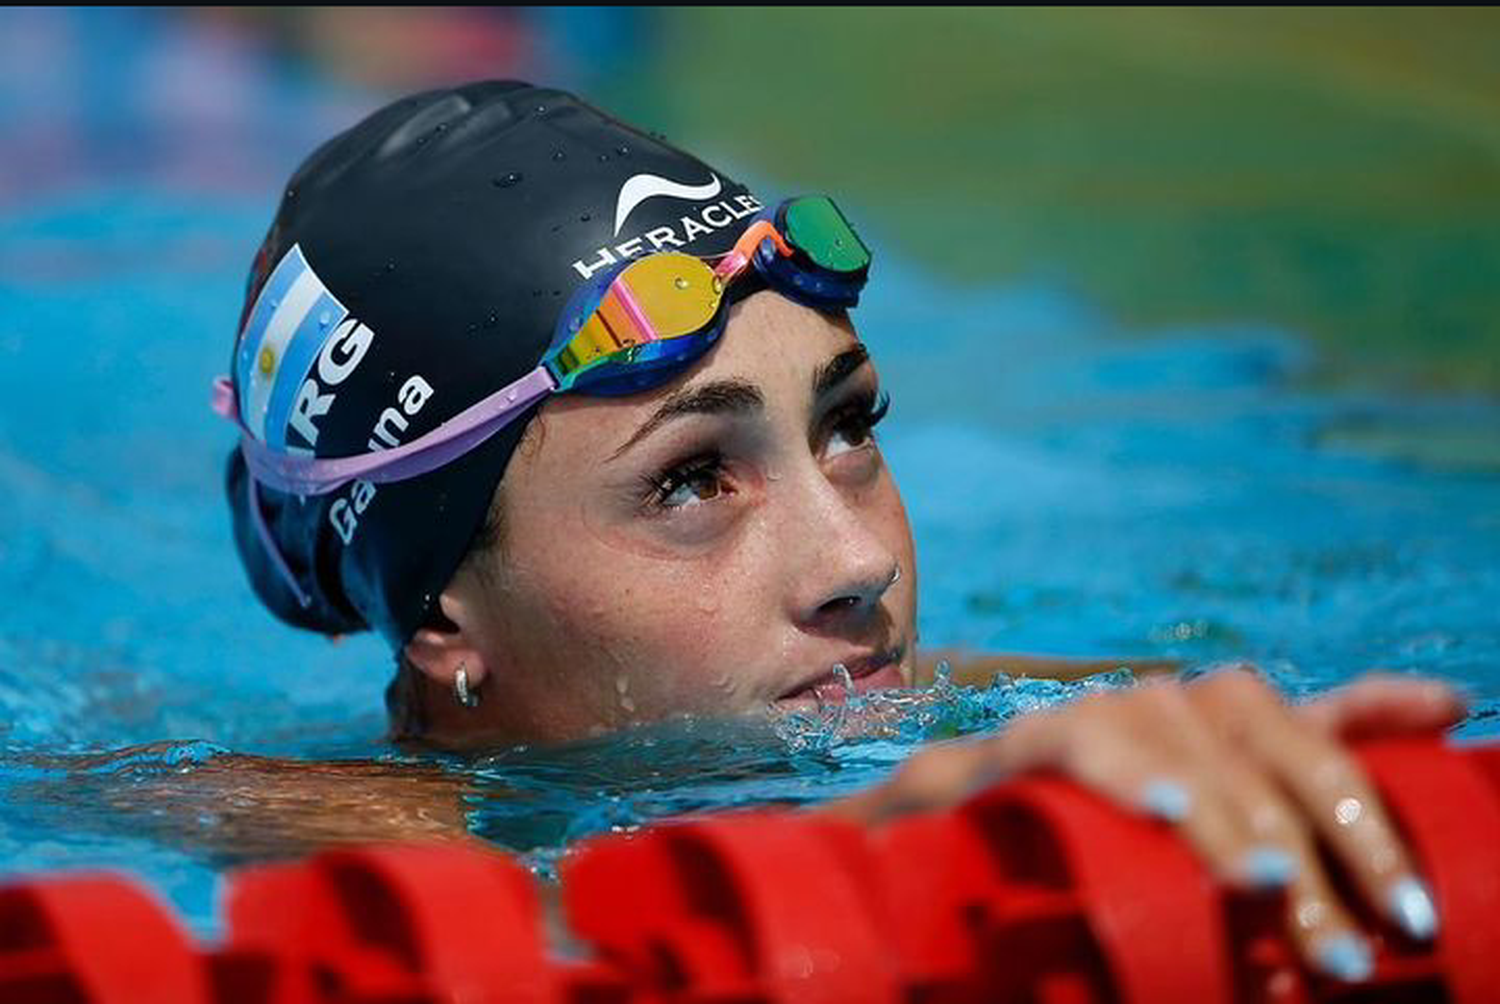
[628, 329]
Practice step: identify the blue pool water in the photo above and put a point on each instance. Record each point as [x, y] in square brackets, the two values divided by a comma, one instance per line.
[1074, 488]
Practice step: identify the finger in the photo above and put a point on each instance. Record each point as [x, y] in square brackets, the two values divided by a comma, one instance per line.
[1333, 792]
[1240, 824]
[1283, 852]
[932, 778]
[1142, 750]
[1091, 741]
[1235, 816]
[944, 774]
[1385, 705]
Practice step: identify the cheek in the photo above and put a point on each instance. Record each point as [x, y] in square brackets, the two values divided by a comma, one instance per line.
[898, 525]
[644, 637]
[888, 519]
[709, 532]
[693, 633]
[885, 514]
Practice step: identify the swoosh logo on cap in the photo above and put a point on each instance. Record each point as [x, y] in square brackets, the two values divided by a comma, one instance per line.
[648, 186]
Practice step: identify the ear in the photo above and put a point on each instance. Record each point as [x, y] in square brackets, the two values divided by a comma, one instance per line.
[440, 649]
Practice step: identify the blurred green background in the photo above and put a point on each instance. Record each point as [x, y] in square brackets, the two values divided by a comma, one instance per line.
[1335, 171]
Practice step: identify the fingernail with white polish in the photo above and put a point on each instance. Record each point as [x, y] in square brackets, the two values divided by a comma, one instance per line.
[1346, 957]
[1166, 800]
[1268, 868]
[1411, 904]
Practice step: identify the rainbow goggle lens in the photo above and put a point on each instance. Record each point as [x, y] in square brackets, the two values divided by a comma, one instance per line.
[631, 328]
[638, 323]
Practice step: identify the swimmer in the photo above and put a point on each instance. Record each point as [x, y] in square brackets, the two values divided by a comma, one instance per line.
[585, 430]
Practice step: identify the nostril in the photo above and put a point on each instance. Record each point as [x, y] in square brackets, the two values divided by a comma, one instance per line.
[862, 595]
[842, 603]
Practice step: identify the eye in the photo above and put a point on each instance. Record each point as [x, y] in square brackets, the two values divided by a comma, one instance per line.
[701, 479]
[853, 426]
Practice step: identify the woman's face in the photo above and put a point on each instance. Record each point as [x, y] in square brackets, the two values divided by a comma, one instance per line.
[713, 546]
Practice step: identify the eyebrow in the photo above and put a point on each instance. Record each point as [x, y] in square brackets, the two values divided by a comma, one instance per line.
[721, 397]
[738, 397]
[838, 369]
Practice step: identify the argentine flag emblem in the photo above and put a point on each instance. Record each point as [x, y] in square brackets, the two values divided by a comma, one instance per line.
[292, 320]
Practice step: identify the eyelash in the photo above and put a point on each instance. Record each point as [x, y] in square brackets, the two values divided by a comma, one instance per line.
[862, 414]
[856, 420]
[666, 484]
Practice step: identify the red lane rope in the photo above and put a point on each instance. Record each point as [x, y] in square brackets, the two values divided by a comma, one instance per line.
[1035, 891]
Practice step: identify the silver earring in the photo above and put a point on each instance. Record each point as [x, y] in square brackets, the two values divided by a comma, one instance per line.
[895, 578]
[461, 691]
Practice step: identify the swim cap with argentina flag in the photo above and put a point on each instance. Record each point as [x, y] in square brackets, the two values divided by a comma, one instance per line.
[417, 263]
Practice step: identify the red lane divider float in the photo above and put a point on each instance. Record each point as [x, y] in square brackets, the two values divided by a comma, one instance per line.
[1034, 892]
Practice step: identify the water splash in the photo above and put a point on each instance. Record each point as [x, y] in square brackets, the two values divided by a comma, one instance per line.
[941, 710]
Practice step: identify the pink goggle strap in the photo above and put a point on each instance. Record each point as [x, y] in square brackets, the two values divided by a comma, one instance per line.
[309, 475]
[305, 474]
[269, 543]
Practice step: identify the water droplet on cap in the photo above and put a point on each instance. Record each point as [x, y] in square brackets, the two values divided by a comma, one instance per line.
[623, 151]
[559, 155]
[585, 217]
[505, 181]
[604, 158]
[324, 318]
[680, 282]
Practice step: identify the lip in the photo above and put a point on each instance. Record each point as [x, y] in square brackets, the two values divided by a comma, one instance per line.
[867, 671]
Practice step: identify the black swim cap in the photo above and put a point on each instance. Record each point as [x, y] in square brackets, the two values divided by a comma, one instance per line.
[417, 263]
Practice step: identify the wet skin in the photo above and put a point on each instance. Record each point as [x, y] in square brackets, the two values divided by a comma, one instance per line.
[718, 545]
[713, 546]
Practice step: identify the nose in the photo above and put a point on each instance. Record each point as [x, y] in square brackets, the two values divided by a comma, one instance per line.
[843, 567]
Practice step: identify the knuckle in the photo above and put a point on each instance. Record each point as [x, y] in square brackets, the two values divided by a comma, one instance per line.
[1099, 758]
[1090, 707]
[1336, 774]
[1271, 819]
[929, 777]
[1313, 911]
[1236, 681]
[1166, 699]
